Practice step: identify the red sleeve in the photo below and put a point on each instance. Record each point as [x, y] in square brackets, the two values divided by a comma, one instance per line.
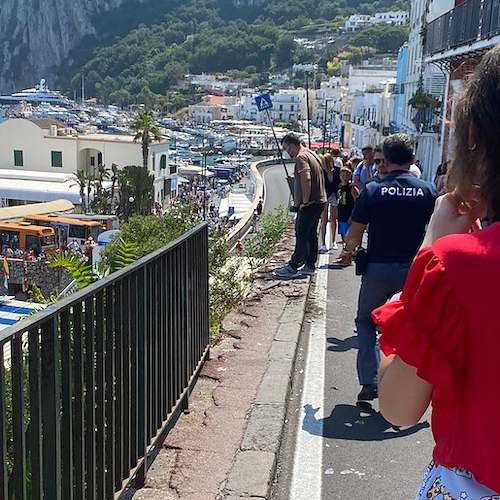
[426, 327]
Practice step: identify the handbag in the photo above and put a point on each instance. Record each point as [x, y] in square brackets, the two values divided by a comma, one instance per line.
[361, 261]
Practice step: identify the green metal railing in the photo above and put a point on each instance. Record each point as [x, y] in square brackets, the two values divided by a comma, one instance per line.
[90, 382]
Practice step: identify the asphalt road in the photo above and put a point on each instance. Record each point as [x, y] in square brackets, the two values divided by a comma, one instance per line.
[276, 191]
[331, 448]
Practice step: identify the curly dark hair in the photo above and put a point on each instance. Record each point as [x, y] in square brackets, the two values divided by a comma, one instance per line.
[398, 149]
[477, 131]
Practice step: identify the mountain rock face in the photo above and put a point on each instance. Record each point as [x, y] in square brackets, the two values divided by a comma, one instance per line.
[36, 35]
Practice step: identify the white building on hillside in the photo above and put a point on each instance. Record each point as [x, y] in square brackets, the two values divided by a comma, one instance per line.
[370, 117]
[395, 18]
[289, 105]
[370, 77]
[49, 147]
[357, 22]
[200, 113]
[213, 82]
[325, 110]
[214, 107]
[248, 109]
[365, 113]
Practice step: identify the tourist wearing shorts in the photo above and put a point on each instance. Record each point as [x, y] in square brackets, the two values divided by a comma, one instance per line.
[346, 198]
[331, 167]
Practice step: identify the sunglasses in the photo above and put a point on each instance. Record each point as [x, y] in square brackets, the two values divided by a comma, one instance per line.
[378, 160]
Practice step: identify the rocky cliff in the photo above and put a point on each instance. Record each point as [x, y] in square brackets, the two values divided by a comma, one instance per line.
[36, 35]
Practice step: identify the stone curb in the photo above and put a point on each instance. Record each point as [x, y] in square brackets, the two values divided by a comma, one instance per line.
[253, 471]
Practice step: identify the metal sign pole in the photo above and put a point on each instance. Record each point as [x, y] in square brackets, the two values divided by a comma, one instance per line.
[279, 150]
[308, 113]
[324, 126]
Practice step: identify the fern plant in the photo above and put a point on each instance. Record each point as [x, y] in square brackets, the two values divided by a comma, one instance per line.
[126, 254]
[84, 273]
[80, 270]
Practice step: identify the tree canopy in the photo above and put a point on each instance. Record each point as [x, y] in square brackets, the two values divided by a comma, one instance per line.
[143, 50]
[383, 38]
[136, 190]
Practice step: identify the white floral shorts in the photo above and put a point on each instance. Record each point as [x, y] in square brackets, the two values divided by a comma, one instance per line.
[441, 483]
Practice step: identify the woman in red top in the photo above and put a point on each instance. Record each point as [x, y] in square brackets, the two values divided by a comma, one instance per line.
[441, 338]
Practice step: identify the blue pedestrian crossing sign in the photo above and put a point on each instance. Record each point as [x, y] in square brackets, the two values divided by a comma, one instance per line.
[263, 102]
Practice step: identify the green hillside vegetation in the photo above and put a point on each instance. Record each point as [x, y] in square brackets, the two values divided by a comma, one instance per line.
[384, 39]
[142, 50]
[373, 40]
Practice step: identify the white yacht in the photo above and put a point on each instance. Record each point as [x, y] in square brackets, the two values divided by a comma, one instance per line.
[36, 95]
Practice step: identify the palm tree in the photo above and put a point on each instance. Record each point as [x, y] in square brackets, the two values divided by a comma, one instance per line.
[147, 131]
[105, 205]
[81, 182]
[136, 190]
[102, 175]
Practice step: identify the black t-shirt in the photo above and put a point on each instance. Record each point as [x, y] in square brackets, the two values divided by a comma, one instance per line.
[345, 202]
[397, 210]
[331, 187]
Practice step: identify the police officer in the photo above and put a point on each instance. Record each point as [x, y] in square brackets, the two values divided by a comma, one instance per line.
[397, 209]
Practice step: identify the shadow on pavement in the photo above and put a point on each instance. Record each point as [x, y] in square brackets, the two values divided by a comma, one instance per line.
[269, 276]
[333, 266]
[354, 423]
[342, 345]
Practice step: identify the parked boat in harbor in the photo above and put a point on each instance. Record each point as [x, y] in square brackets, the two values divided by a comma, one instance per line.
[36, 95]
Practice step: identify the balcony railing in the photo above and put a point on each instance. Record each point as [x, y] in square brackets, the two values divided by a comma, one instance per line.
[471, 21]
[87, 384]
[427, 120]
[399, 88]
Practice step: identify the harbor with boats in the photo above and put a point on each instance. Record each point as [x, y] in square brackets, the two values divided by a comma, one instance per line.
[81, 139]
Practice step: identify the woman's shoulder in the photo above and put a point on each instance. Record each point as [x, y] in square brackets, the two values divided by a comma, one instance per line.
[485, 240]
[471, 256]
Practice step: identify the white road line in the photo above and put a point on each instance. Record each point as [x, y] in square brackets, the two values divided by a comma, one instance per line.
[307, 467]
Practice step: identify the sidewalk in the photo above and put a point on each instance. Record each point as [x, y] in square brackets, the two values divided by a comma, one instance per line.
[226, 446]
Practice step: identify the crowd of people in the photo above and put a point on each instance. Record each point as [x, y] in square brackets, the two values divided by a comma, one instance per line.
[30, 255]
[339, 178]
[205, 197]
[426, 322]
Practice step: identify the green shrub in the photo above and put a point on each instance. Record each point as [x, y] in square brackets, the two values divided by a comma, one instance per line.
[228, 277]
[258, 245]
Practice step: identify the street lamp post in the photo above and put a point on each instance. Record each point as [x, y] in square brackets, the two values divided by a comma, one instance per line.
[325, 120]
[307, 68]
[131, 200]
[204, 180]
[330, 128]
[308, 112]
[206, 150]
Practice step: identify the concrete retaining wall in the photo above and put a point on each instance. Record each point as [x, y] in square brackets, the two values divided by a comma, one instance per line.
[51, 281]
[243, 225]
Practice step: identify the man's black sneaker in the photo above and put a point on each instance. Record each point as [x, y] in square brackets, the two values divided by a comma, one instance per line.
[368, 393]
